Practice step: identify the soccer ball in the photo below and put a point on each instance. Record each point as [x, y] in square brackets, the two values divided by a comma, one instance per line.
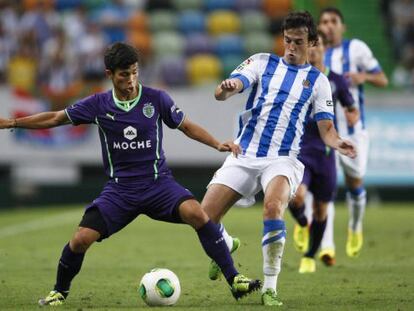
[159, 287]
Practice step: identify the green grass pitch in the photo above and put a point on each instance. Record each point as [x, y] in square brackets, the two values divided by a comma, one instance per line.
[382, 278]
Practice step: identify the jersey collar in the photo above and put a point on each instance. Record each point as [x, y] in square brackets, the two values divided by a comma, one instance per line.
[127, 105]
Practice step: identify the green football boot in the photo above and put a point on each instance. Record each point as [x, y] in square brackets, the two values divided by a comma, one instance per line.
[53, 299]
[269, 298]
[214, 271]
[242, 286]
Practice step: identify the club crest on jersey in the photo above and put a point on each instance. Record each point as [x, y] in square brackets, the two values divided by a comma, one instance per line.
[130, 132]
[306, 83]
[148, 110]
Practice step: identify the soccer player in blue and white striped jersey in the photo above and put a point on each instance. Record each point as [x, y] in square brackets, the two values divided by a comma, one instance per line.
[285, 92]
[354, 59]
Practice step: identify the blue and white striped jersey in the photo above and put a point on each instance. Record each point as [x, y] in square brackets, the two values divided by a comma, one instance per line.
[352, 56]
[282, 98]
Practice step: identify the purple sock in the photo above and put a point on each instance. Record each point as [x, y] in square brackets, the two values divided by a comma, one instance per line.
[69, 266]
[299, 214]
[317, 229]
[215, 246]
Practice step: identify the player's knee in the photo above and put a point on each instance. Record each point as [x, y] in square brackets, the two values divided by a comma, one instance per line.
[298, 200]
[193, 215]
[273, 209]
[82, 240]
[210, 209]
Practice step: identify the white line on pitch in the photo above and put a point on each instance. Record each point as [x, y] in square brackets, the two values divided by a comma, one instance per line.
[42, 223]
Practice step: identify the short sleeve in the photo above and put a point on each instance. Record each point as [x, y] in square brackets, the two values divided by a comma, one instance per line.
[83, 111]
[250, 70]
[366, 60]
[170, 113]
[323, 108]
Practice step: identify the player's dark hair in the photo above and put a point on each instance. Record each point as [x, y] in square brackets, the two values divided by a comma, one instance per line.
[323, 36]
[301, 19]
[120, 56]
[333, 10]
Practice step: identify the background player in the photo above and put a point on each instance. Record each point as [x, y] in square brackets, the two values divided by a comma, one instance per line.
[355, 61]
[320, 166]
[129, 118]
[285, 91]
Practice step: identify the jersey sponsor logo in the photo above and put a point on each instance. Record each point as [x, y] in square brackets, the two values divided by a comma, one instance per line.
[130, 132]
[142, 144]
[329, 103]
[148, 110]
[244, 64]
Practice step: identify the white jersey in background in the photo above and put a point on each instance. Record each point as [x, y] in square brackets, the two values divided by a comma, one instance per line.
[282, 98]
[352, 56]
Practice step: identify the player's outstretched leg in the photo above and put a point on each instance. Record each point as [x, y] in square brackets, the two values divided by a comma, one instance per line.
[273, 243]
[233, 244]
[317, 228]
[216, 248]
[297, 209]
[327, 252]
[69, 265]
[356, 200]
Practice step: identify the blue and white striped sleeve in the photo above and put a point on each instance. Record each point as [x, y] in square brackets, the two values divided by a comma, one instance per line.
[248, 72]
[323, 107]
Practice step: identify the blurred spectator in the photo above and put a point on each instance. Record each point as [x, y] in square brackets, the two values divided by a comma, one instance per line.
[22, 68]
[113, 18]
[7, 46]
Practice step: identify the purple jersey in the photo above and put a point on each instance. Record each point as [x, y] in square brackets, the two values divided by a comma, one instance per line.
[131, 140]
[311, 140]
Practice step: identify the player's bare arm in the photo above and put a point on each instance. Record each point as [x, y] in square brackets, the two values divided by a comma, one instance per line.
[378, 79]
[228, 88]
[351, 115]
[196, 132]
[41, 120]
[331, 138]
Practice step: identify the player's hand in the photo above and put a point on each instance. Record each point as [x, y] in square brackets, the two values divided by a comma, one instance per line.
[6, 123]
[347, 148]
[228, 85]
[229, 146]
[356, 78]
[351, 116]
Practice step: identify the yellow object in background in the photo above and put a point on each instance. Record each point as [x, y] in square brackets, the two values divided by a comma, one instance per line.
[222, 22]
[203, 68]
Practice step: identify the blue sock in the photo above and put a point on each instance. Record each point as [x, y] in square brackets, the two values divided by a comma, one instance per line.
[215, 246]
[69, 266]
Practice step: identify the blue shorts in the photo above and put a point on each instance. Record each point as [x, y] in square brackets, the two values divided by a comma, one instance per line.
[320, 175]
[121, 202]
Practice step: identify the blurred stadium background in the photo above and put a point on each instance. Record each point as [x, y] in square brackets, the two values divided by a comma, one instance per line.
[51, 55]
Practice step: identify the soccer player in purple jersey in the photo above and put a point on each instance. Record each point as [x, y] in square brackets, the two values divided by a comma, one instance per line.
[320, 168]
[129, 118]
[355, 60]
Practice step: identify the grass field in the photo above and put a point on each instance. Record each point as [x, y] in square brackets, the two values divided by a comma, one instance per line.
[31, 241]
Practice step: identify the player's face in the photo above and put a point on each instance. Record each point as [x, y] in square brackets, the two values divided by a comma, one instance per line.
[296, 45]
[316, 53]
[125, 80]
[331, 25]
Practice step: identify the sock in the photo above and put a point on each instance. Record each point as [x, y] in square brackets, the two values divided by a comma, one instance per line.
[317, 229]
[69, 266]
[228, 238]
[356, 200]
[273, 244]
[328, 236]
[299, 214]
[215, 247]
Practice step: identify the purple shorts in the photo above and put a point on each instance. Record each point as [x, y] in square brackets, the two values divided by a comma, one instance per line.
[320, 175]
[121, 202]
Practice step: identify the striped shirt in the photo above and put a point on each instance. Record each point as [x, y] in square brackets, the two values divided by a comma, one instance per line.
[282, 98]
